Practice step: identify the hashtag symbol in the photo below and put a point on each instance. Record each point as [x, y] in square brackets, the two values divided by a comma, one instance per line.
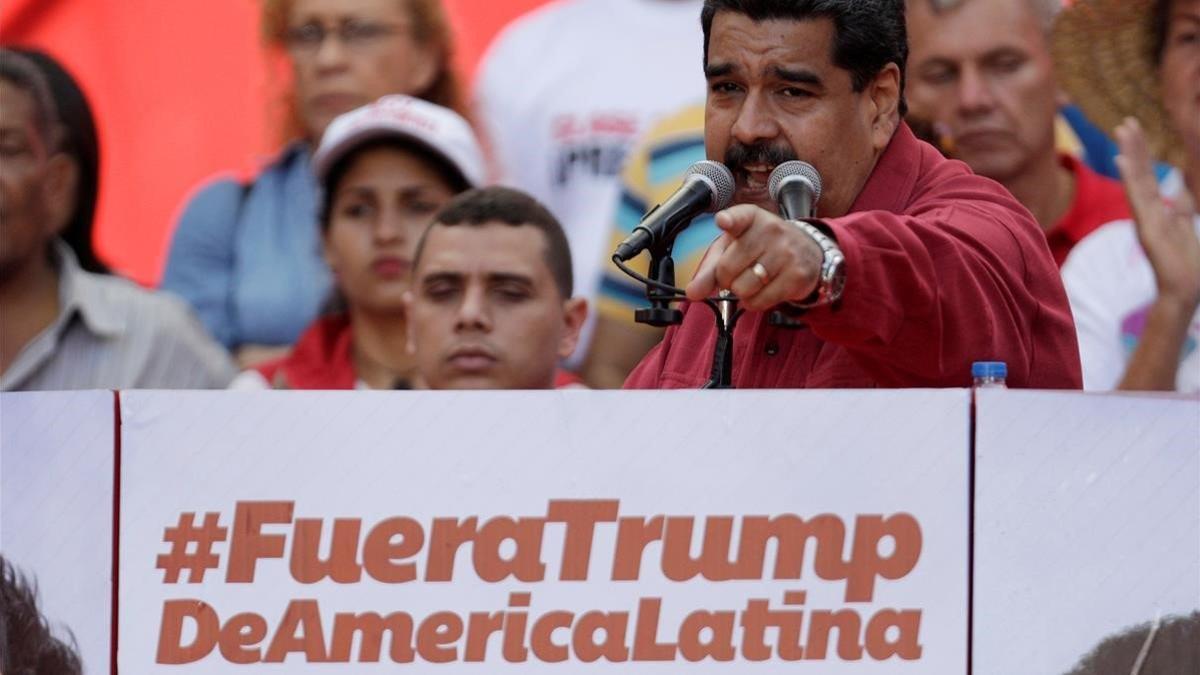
[199, 540]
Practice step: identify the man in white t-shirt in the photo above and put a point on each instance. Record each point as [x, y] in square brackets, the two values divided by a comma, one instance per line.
[1134, 285]
[563, 93]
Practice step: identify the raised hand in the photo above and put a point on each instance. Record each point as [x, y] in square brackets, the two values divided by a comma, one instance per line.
[1166, 231]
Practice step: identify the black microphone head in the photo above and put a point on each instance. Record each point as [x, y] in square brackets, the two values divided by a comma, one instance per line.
[795, 169]
[718, 178]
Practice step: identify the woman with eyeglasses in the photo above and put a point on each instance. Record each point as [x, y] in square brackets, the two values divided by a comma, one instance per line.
[247, 255]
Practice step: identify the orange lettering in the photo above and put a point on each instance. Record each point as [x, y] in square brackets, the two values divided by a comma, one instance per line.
[526, 564]
[371, 627]
[719, 648]
[908, 631]
[437, 631]
[171, 650]
[645, 637]
[613, 648]
[581, 518]
[633, 535]
[821, 622]
[249, 544]
[446, 536]
[340, 566]
[542, 638]
[241, 631]
[300, 632]
[379, 551]
[867, 565]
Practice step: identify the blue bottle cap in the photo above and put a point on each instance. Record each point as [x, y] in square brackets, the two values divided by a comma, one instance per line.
[996, 369]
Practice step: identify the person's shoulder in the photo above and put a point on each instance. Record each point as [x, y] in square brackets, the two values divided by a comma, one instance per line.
[218, 194]
[160, 314]
[1105, 251]
[227, 189]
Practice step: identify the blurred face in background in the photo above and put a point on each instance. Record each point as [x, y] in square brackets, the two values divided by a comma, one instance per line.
[982, 72]
[381, 205]
[485, 311]
[1179, 73]
[348, 53]
[36, 185]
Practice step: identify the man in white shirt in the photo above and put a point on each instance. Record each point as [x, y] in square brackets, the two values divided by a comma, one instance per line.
[563, 93]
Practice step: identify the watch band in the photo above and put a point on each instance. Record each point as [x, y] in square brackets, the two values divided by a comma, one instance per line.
[832, 279]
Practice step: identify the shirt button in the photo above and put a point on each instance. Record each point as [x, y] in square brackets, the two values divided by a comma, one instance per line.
[772, 348]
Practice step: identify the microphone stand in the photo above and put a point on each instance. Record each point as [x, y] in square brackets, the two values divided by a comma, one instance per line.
[660, 313]
[725, 307]
[661, 292]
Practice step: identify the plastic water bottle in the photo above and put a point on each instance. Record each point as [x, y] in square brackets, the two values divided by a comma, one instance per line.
[989, 374]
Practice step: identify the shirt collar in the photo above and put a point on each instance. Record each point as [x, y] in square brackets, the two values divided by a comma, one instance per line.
[894, 176]
[81, 292]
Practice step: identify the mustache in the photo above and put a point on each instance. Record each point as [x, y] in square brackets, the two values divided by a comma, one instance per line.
[739, 155]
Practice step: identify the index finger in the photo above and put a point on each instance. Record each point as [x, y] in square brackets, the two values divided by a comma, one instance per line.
[736, 220]
[704, 281]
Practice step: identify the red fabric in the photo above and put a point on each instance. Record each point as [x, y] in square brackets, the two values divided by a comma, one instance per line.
[319, 360]
[1098, 200]
[944, 268]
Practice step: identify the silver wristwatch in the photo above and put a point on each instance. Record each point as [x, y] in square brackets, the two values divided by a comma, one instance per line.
[833, 268]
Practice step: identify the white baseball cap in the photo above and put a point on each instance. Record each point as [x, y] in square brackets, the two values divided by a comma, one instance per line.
[441, 130]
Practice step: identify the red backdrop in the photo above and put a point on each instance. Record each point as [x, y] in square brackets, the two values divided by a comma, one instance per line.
[180, 90]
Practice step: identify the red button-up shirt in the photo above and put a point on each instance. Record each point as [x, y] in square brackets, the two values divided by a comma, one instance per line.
[943, 268]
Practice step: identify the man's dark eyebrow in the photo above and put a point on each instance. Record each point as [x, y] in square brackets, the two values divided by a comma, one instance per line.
[717, 70]
[504, 277]
[435, 277]
[800, 76]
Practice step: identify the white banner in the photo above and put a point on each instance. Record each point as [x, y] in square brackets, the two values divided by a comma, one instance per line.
[821, 532]
[56, 510]
[1087, 523]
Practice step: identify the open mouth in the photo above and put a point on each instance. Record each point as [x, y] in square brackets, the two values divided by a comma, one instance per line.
[756, 176]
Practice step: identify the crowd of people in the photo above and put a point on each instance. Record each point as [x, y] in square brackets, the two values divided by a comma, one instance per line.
[411, 234]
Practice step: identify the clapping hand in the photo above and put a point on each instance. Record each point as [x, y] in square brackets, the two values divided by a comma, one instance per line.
[1166, 231]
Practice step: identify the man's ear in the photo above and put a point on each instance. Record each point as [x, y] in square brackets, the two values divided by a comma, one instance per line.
[59, 191]
[884, 92]
[575, 311]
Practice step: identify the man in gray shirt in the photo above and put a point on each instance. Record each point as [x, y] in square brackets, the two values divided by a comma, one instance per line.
[60, 326]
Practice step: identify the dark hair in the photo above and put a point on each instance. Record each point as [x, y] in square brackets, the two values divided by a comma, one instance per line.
[80, 142]
[21, 72]
[868, 34]
[447, 171]
[1174, 649]
[1160, 23]
[515, 208]
[26, 643]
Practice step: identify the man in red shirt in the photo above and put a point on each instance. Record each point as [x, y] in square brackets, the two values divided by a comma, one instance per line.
[915, 268]
[982, 72]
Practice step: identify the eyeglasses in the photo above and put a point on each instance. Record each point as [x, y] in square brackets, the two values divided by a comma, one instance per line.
[354, 34]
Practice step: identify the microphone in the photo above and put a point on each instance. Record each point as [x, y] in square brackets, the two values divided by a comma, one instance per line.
[707, 187]
[796, 187]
